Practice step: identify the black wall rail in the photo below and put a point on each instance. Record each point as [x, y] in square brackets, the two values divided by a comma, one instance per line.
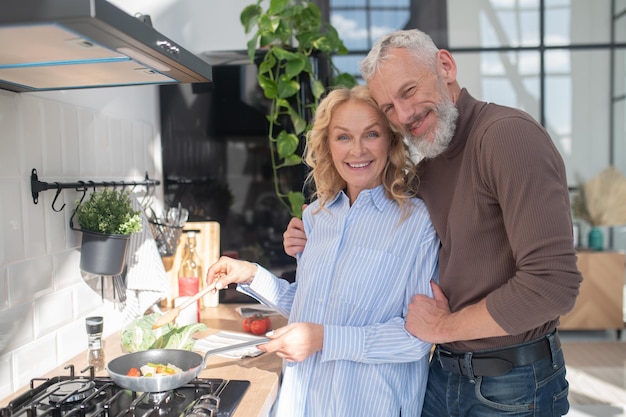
[37, 186]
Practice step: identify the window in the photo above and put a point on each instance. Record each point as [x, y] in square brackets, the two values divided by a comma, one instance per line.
[562, 61]
[361, 22]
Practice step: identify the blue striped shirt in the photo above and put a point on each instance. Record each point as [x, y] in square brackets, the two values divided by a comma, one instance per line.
[356, 276]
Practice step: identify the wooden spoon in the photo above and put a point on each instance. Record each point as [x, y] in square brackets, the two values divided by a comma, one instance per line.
[174, 312]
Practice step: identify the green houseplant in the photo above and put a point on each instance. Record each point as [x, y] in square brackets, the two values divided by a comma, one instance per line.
[293, 49]
[107, 219]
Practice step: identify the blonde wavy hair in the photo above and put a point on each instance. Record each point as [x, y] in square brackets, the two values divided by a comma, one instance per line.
[399, 172]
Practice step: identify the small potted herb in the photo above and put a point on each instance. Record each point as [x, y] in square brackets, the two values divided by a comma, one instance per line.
[107, 219]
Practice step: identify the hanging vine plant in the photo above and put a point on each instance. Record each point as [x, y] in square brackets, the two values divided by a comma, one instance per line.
[295, 69]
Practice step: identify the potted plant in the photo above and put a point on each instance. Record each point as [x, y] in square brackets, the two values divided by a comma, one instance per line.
[293, 49]
[106, 219]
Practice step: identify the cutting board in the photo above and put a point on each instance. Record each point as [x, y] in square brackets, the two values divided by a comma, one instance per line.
[207, 247]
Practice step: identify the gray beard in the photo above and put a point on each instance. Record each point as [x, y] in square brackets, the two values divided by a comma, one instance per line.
[447, 114]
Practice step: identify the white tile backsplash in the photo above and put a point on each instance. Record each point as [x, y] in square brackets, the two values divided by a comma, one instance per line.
[65, 272]
[115, 138]
[52, 165]
[102, 138]
[53, 311]
[70, 140]
[11, 229]
[6, 375]
[31, 132]
[29, 279]
[87, 144]
[9, 140]
[71, 340]
[17, 326]
[44, 297]
[35, 358]
[4, 292]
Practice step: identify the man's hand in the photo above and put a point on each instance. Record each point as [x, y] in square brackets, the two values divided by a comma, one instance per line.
[427, 314]
[431, 320]
[296, 341]
[294, 238]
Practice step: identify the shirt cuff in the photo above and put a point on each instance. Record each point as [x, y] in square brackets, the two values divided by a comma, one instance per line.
[262, 283]
[343, 343]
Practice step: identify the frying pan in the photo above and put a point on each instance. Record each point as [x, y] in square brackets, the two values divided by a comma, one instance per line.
[190, 362]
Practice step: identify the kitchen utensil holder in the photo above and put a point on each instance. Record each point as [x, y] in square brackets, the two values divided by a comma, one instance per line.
[166, 237]
[37, 186]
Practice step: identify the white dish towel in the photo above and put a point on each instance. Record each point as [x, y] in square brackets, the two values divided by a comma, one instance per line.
[146, 279]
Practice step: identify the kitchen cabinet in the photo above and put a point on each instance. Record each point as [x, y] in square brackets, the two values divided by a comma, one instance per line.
[600, 303]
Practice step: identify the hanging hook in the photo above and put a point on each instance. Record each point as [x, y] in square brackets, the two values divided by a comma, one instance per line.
[83, 188]
[55, 198]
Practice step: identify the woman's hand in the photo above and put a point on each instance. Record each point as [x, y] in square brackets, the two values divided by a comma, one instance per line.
[228, 271]
[296, 341]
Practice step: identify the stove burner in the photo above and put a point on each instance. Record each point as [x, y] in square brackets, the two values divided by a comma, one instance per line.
[158, 397]
[70, 391]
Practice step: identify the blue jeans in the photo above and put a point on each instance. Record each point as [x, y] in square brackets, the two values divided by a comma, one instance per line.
[537, 389]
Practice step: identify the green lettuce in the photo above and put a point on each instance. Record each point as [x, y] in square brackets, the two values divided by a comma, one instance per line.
[139, 335]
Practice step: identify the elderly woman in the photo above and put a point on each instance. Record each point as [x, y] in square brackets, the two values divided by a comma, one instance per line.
[371, 247]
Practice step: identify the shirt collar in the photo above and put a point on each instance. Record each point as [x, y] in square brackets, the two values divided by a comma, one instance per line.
[375, 196]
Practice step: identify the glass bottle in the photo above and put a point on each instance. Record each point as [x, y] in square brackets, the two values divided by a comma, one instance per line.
[190, 279]
[95, 348]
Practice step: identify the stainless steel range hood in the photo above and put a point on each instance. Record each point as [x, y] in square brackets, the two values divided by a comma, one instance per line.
[69, 44]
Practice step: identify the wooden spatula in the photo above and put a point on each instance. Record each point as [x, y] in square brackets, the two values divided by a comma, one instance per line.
[174, 312]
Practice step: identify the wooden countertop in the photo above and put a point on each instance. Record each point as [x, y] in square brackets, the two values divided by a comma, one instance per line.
[262, 371]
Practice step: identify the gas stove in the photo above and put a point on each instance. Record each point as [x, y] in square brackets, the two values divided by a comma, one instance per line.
[100, 396]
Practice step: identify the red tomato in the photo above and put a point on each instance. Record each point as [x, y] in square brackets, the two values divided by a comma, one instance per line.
[258, 327]
[246, 324]
[268, 323]
[257, 324]
[133, 372]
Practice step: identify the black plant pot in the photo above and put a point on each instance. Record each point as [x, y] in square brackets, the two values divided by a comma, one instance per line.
[102, 254]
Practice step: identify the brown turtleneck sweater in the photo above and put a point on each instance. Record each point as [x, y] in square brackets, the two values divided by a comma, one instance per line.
[499, 201]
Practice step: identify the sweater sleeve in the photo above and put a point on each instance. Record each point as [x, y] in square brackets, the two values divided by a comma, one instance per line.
[523, 169]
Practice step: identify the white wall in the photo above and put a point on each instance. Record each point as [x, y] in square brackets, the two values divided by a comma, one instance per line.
[94, 134]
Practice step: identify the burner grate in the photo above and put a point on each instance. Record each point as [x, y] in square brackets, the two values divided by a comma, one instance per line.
[65, 396]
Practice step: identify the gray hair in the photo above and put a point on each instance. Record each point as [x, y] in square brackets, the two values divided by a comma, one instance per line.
[420, 45]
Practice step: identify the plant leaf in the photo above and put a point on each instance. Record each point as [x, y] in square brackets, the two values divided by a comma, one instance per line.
[277, 6]
[296, 200]
[295, 66]
[317, 88]
[284, 55]
[267, 65]
[286, 144]
[292, 160]
[299, 124]
[270, 88]
[249, 16]
[345, 79]
[287, 87]
[251, 45]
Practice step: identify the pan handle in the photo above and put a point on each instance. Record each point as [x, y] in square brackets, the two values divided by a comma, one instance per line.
[215, 351]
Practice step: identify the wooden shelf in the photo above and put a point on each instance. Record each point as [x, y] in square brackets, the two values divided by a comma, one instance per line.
[600, 303]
